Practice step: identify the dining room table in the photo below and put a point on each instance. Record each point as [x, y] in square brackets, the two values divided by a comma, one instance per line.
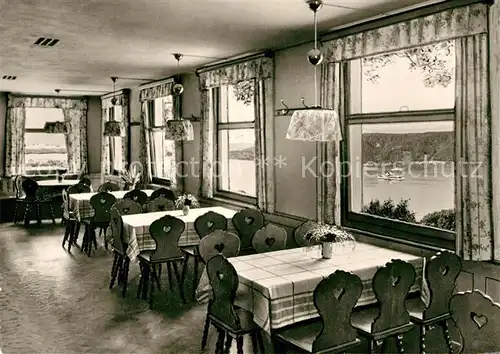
[277, 287]
[136, 228]
[79, 203]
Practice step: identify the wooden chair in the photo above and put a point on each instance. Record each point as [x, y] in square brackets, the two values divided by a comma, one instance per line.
[86, 181]
[441, 272]
[137, 196]
[204, 225]
[391, 285]
[108, 187]
[230, 322]
[121, 262]
[163, 192]
[166, 232]
[247, 222]
[478, 319]
[300, 232]
[218, 242]
[270, 238]
[334, 298]
[159, 204]
[72, 224]
[101, 203]
[36, 197]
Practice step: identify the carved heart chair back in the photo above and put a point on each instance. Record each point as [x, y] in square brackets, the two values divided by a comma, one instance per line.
[160, 203]
[247, 222]
[219, 242]
[166, 232]
[209, 222]
[270, 238]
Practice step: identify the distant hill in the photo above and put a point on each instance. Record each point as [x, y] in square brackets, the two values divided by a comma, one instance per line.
[380, 147]
[243, 154]
[45, 150]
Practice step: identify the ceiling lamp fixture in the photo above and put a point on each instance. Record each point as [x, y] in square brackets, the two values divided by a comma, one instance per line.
[114, 100]
[178, 129]
[314, 123]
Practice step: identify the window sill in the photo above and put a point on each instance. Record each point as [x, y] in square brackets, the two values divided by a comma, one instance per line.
[230, 203]
[394, 242]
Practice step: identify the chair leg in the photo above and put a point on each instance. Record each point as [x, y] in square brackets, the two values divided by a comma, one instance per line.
[399, 344]
[114, 270]
[67, 235]
[141, 280]
[205, 333]
[255, 344]
[147, 281]
[179, 281]
[76, 231]
[52, 214]
[184, 269]
[170, 277]
[154, 275]
[219, 347]
[229, 342]
[195, 275]
[27, 211]
[422, 339]
[446, 332]
[15, 212]
[239, 344]
[126, 265]
[151, 285]
[38, 215]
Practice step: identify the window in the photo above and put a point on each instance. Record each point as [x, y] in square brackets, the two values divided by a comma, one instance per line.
[235, 114]
[44, 153]
[163, 167]
[399, 161]
[115, 143]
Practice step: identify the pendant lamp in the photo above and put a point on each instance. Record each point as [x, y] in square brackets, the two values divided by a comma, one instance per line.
[113, 128]
[314, 123]
[178, 129]
[57, 127]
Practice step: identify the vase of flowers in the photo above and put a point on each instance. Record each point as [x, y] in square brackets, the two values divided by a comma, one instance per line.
[60, 174]
[326, 236]
[131, 178]
[185, 202]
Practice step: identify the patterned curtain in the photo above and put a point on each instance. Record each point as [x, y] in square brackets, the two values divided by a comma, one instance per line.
[76, 139]
[145, 146]
[328, 199]
[473, 143]
[122, 101]
[105, 158]
[14, 144]
[161, 90]
[262, 71]
[445, 25]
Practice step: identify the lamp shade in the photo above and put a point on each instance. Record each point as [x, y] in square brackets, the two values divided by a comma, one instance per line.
[58, 127]
[179, 129]
[112, 128]
[314, 125]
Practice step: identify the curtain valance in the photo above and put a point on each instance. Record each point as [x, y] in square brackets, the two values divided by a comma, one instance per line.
[259, 68]
[122, 99]
[46, 102]
[459, 22]
[160, 90]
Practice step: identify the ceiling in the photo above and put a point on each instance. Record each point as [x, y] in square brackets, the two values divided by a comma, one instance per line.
[136, 38]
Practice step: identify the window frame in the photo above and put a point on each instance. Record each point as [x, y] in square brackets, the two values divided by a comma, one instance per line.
[36, 130]
[218, 126]
[152, 128]
[399, 230]
[111, 118]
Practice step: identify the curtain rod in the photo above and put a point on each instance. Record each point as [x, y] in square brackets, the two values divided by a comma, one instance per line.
[117, 92]
[156, 83]
[235, 60]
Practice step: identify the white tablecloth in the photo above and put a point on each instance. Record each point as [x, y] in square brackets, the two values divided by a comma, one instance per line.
[136, 228]
[277, 287]
[55, 183]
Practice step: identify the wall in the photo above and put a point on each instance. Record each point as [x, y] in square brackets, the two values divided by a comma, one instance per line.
[94, 132]
[3, 116]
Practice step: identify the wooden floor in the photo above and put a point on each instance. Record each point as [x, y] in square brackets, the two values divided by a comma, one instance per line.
[55, 302]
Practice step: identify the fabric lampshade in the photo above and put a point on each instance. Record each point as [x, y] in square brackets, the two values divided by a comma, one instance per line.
[315, 124]
[112, 128]
[179, 129]
[58, 127]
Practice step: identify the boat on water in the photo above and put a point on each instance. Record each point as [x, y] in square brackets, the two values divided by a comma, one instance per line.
[391, 176]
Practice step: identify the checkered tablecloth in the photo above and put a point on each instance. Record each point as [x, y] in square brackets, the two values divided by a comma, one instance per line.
[79, 204]
[136, 228]
[277, 287]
